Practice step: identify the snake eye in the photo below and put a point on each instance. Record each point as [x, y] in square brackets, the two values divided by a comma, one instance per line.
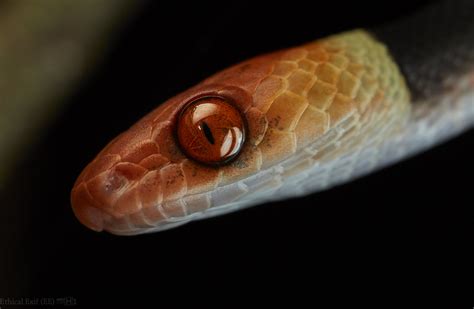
[211, 130]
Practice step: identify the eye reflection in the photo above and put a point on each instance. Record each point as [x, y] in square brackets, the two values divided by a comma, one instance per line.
[234, 135]
[205, 110]
[211, 131]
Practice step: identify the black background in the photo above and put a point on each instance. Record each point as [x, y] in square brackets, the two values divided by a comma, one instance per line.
[412, 222]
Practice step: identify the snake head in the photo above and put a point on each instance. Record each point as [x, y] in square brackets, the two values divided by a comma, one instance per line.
[148, 175]
[253, 132]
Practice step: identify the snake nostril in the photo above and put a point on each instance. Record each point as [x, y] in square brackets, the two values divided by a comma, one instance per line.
[114, 182]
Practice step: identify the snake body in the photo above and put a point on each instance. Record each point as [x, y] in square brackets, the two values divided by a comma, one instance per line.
[318, 115]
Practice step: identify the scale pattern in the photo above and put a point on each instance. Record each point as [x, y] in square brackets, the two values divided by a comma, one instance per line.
[335, 99]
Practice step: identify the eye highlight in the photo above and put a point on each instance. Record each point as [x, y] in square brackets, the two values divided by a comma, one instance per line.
[210, 130]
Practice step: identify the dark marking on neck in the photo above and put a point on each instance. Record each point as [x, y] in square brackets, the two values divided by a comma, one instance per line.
[433, 46]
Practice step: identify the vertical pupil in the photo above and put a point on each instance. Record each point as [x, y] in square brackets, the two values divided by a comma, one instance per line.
[211, 131]
[207, 132]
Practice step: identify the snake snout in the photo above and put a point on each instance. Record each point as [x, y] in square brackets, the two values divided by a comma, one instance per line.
[86, 209]
[104, 191]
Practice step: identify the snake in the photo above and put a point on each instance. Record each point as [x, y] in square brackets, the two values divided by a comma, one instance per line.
[288, 123]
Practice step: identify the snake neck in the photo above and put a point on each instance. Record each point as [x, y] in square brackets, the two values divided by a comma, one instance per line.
[433, 47]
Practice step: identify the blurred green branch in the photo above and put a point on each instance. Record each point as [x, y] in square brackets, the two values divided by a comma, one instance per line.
[45, 46]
